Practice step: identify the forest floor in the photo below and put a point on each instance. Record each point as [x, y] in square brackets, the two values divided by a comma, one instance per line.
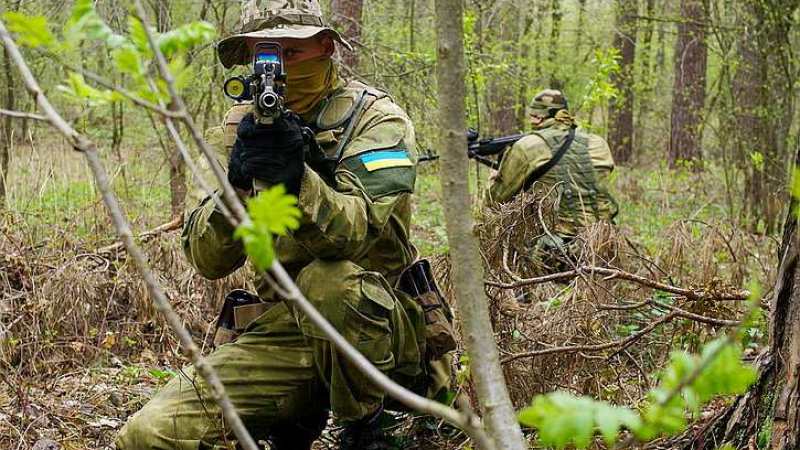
[81, 349]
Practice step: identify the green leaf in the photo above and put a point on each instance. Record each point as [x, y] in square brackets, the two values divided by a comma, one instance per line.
[78, 91]
[185, 37]
[138, 36]
[611, 418]
[275, 209]
[128, 61]
[271, 212]
[31, 31]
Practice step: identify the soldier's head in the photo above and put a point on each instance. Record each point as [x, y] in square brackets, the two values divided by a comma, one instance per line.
[545, 105]
[307, 43]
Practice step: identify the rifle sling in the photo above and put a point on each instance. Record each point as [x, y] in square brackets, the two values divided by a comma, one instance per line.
[543, 169]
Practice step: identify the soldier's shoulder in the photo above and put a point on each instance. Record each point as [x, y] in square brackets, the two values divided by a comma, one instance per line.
[380, 102]
[381, 153]
[532, 142]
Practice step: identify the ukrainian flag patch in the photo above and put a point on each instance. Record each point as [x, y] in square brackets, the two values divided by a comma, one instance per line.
[385, 159]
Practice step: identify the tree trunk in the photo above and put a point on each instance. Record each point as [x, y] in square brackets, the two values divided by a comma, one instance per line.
[7, 124]
[346, 17]
[768, 416]
[689, 89]
[620, 138]
[764, 107]
[581, 23]
[499, 416]
[555, 37]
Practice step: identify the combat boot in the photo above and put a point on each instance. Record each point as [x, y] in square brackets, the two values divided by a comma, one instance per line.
[364, 434]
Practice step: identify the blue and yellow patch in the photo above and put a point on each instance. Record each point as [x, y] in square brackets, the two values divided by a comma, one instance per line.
[385, 159]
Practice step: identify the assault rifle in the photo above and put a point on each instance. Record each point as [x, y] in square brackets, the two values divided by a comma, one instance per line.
[266, 86]
[481, 150]
[266, 89]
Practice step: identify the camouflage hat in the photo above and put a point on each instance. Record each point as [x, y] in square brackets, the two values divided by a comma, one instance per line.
[274, 19]
[547, 102]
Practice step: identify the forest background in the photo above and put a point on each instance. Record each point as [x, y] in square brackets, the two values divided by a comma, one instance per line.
[697, 99]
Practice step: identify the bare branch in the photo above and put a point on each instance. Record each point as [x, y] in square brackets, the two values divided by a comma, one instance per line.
[83, 144]
[623, 343]
[22, 115]
[610, 274]
[172, 225]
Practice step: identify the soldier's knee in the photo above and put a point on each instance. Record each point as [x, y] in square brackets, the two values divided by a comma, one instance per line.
[356, 302]
[134, 435]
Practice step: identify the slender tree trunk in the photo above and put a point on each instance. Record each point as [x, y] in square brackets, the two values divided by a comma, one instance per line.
[501, 96]
[581, 23]
[689, 89]
[620, 138]
[7, 124]
[346, 17]
[555, 37]
[537, 49]
[6, 129]
[499, 416]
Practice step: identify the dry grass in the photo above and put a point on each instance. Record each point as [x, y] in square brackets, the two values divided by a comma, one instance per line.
[590, 310]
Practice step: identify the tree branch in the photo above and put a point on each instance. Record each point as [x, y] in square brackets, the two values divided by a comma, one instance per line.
[623, 343]
[22, 115]
[692, 294]
[83, 144]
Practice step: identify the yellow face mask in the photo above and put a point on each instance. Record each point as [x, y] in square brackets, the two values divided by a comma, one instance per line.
[308, 82]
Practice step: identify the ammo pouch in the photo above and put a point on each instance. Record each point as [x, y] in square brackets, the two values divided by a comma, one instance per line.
[418, 282]
[239, 309]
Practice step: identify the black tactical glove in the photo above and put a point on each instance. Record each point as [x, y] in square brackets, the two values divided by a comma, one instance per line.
[270, 153]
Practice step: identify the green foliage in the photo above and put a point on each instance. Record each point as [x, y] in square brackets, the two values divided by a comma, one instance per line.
[130, 52]
[186, 37]
[78, 91]
[757, 158]
[31, 31]
[687, 382]
[562, 418]
[272, 212]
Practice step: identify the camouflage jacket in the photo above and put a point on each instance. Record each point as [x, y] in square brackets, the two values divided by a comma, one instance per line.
[363, 216]
[580, 174]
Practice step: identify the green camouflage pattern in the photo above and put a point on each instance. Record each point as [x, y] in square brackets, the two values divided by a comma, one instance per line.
[545, 103]
[586, 166]
[345, 257]
[280, 371]
[274, 19]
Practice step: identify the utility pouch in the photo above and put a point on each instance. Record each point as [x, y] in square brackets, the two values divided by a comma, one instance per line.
[418, 282]
[238, 310]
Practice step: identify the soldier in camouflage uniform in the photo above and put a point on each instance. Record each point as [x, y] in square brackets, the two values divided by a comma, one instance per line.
[282, 373]
[580, 177]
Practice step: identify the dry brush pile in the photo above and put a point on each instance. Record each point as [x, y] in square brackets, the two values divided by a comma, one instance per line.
[603, 321]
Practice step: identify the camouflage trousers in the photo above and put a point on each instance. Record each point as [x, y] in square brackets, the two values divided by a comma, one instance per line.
[282, 373]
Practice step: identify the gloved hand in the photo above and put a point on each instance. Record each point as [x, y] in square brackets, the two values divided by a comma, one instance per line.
[270, 153]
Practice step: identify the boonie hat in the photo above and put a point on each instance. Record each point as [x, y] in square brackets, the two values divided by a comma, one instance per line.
[274, 19]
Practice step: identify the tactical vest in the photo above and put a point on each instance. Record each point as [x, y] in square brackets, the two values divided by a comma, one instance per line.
[581, 198]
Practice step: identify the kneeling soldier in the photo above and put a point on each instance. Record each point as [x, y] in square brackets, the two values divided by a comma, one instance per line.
[282, 373]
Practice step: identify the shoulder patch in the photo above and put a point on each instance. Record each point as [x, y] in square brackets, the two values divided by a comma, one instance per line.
[383, 172]
[385, 159]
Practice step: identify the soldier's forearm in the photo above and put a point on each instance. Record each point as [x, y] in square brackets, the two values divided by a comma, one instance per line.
[334, 224]
[208, 243]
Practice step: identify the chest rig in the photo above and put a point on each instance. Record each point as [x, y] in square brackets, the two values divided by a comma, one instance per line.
[574, 177]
